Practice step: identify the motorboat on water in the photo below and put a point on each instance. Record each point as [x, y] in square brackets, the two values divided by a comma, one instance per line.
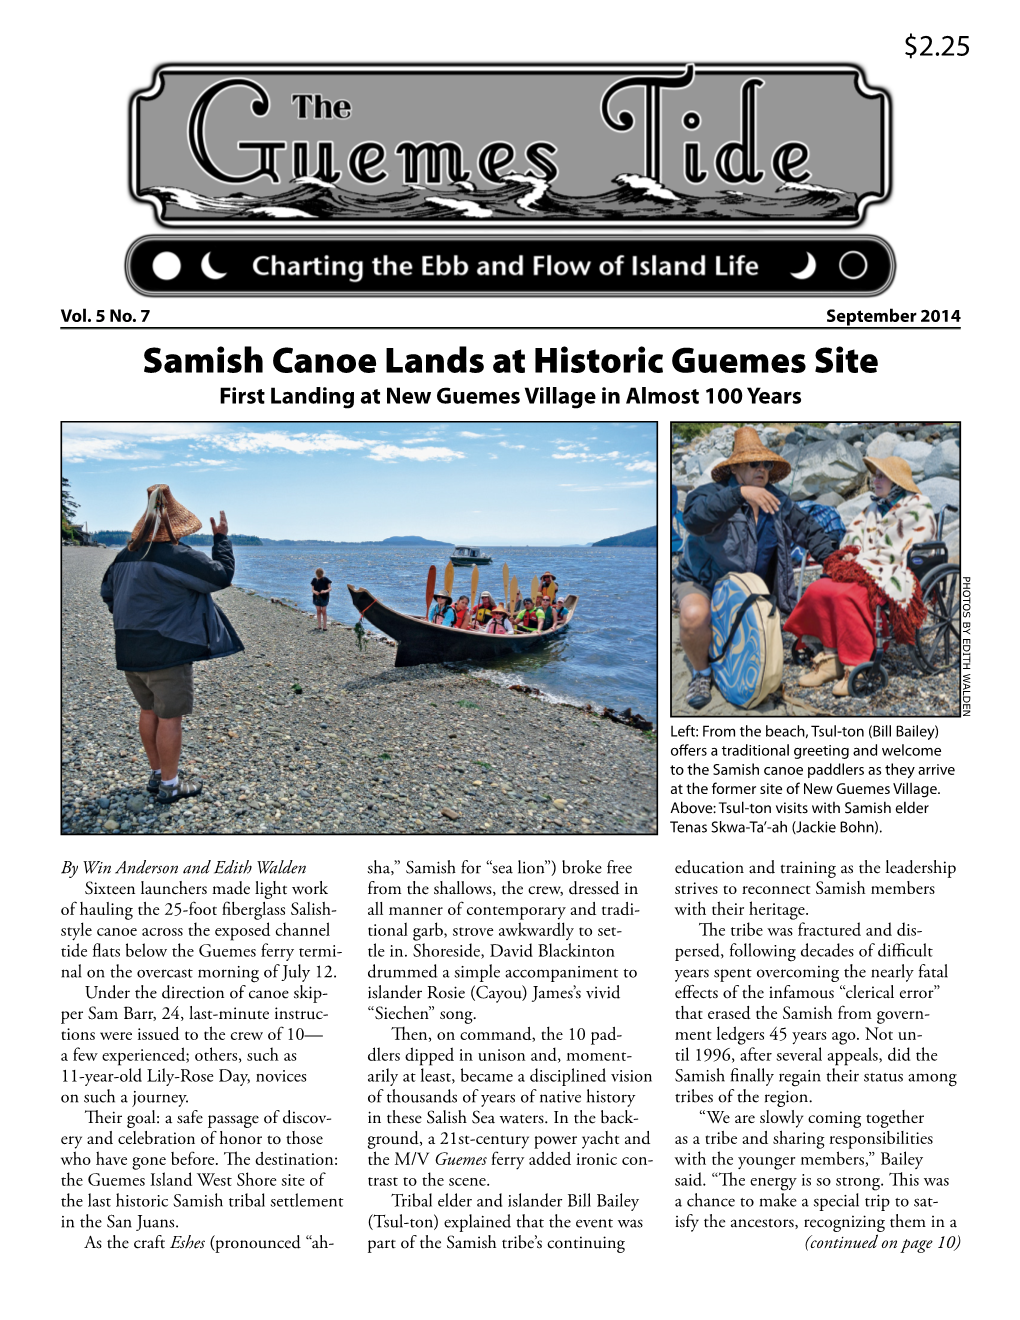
[464, 556]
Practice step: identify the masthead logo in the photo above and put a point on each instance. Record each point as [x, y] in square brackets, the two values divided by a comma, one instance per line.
[571, 148]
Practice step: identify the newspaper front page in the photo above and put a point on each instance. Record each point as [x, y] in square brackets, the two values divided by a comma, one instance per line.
[514, 819]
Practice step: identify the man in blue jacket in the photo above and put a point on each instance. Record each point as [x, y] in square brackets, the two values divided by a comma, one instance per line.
[164, 618]
[741, 523]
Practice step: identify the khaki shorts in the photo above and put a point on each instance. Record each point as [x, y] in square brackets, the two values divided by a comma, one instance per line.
[168, 692]
[682, 589]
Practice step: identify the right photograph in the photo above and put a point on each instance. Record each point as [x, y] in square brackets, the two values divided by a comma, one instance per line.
[815, 569]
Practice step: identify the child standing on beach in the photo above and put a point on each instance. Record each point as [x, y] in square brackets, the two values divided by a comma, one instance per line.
[320, 599]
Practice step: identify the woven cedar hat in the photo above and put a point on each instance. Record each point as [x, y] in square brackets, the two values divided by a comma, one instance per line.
[896, 469]
[500, 609]
[747, 448]
[164, 519]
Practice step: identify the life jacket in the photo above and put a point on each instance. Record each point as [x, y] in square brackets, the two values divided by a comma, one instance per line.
[482, 613]
[528, 620]
[459, 616]
[496, 625]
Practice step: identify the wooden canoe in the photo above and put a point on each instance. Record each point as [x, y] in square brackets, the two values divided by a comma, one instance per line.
[422, 643]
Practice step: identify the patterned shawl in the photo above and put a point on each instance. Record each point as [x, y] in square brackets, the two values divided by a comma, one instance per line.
[874, 553]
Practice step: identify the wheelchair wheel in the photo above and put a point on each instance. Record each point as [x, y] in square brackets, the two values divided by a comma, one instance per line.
[937, 641]
[867, 679]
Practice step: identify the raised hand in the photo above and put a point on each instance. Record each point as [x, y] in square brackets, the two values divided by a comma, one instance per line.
[219, 528]
[760, 498]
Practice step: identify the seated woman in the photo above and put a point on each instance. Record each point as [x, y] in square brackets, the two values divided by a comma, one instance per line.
[739, 523]
[869, 569]
[499, 621]
[483, 610]
[442, 610]
[461, 609]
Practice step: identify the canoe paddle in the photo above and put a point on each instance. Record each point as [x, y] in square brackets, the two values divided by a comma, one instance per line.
[512, 598]
[448, 579]
[506, 585]
[430, 587]
[474, 585]
[534, 589]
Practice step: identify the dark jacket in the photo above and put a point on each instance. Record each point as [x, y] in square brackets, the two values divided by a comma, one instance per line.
[722, 537]
[162, 606]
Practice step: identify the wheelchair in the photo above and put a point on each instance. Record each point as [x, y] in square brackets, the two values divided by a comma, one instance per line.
[937, 641]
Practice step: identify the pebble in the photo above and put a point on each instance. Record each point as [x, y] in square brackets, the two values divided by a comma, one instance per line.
[363, 748]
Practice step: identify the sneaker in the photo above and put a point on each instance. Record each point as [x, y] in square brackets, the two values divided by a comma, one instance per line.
[184, 788]
[700, 691]
[825, 668]
[154, 782]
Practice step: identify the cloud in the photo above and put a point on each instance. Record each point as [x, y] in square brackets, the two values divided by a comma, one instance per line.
[297, 442]
[471, 435]
[503, 444]
[642, 465]
[390, 453]
[81, 450]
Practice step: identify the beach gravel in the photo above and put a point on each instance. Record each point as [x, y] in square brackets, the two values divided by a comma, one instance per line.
[306, 733]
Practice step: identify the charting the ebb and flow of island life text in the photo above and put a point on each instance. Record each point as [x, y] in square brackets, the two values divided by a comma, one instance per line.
[513, 804]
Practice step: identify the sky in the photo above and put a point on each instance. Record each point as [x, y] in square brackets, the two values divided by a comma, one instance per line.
[535, 483]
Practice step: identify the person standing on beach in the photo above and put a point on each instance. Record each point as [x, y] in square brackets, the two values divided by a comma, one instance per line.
[164, 619]
[320, 599]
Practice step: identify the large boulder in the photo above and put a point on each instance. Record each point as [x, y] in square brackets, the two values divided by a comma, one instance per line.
[943, 460]
[853, 432]
[818, 468]
[916, 452]
[883, 445]
[941, 491]
[700, 463]
[849, 509]
[951, 536]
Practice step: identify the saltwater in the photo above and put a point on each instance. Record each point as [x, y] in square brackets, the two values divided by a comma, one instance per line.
[606, 657]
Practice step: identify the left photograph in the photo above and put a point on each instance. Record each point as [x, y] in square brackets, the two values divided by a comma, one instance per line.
[395, 628]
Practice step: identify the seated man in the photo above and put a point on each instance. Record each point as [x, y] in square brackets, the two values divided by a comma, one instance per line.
[442, 610]
[527, 617]
[741, 523]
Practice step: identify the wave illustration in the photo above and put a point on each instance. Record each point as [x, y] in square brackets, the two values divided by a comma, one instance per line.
[517, 197]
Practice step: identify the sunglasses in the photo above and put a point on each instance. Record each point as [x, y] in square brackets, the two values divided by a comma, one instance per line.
[767, 466]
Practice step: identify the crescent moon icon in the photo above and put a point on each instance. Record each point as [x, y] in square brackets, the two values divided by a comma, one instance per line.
[210, 274]
[804, 274]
